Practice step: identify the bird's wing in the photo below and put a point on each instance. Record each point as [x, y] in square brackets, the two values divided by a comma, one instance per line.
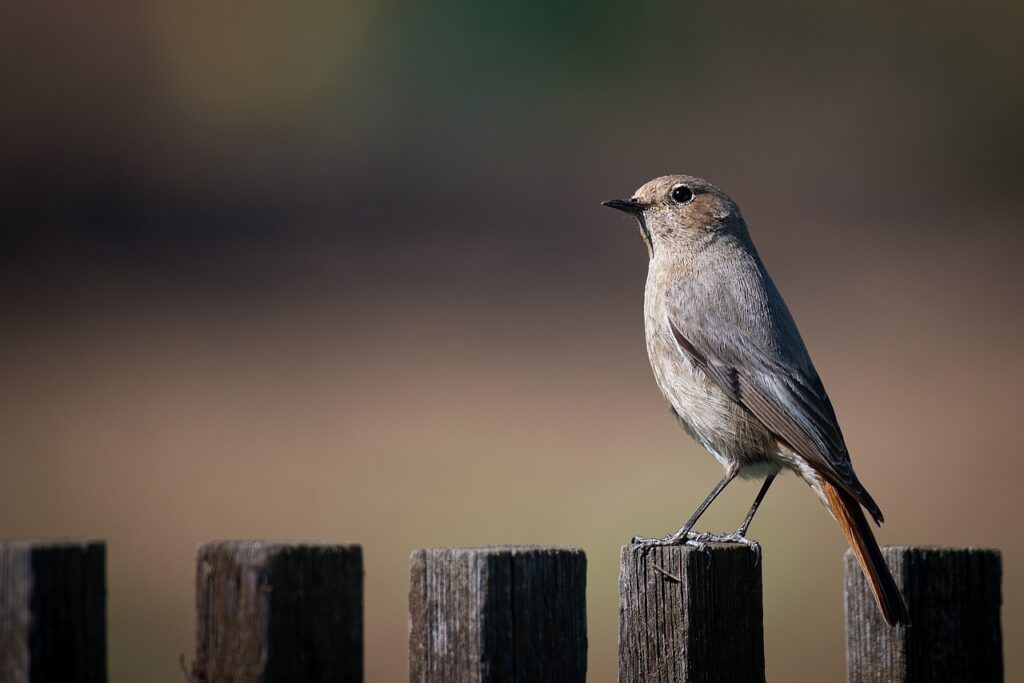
[784, 394]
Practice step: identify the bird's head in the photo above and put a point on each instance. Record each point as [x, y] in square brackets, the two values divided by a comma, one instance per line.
[679, 210]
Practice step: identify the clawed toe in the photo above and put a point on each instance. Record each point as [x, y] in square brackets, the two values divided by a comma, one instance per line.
[739, 539]
[698, 540]
[694, 540]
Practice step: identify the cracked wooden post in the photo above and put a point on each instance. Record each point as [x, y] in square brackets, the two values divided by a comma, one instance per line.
[53, 611]
[690, 615]
[954, 597]
[276, 612]
[500, 613]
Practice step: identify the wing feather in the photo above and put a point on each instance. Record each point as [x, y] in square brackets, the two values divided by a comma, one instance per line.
[786, 396]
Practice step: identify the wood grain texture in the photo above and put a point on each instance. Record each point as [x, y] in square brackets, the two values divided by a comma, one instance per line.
[954, 597]
[276, 612]
[53, 611]
[690, 615]
[500, 613]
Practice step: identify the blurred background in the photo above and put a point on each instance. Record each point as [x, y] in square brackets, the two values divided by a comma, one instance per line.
[341, 272]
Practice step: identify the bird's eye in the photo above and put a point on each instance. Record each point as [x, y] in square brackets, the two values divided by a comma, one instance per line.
[682, 194]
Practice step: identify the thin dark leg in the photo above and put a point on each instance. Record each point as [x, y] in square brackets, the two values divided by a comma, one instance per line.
[742, 531]
[702, 508]
[681, 535]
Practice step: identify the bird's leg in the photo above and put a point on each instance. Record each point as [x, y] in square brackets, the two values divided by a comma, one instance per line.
[742, 531]
[684, 536]
[741, 534]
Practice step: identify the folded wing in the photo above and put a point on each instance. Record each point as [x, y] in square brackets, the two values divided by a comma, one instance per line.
[784, 393]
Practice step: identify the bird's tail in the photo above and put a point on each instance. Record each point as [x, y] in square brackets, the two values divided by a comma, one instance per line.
[855, 527]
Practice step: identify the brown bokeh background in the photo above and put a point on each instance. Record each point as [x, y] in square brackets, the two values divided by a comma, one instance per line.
[310, 272]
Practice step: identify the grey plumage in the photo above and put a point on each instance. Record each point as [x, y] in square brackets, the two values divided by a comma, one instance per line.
[730, 361]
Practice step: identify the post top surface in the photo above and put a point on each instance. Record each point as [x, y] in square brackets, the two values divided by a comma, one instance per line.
[266, 546]
[50, 543]
[716, 547]
[507, 549]
[935, 550]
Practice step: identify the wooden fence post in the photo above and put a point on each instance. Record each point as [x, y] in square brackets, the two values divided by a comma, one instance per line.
[690, 615]
[501, 613]
[953, 595]
[276, 612]
[53, 611]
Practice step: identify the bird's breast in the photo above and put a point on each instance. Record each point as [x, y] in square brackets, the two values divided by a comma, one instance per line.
[725, 428]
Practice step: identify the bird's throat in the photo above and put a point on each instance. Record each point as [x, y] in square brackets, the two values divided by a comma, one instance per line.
[645, 234]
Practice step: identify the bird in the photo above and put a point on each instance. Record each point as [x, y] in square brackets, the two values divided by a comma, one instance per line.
[730, 361]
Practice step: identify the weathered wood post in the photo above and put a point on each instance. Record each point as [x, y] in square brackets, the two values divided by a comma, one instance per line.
[690, 615]
[277, 612]
[501, 613]
[53, 611]
[953, 595]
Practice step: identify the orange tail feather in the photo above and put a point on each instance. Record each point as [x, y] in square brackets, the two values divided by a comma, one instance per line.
[855, 527]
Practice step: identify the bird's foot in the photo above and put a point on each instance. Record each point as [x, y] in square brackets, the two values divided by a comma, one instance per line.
[734, 538]
[691, 538]
[698, 540]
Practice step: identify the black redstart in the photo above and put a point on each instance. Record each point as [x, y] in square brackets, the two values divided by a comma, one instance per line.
[729, 359]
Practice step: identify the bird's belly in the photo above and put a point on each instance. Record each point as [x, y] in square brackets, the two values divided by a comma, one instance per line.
[726, 429]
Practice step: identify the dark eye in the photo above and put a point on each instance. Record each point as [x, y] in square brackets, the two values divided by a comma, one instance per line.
[682, 194]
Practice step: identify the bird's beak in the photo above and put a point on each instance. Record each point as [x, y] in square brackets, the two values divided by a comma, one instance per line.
[628, 205]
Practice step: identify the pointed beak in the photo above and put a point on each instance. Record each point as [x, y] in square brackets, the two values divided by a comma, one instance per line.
[628, 205]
